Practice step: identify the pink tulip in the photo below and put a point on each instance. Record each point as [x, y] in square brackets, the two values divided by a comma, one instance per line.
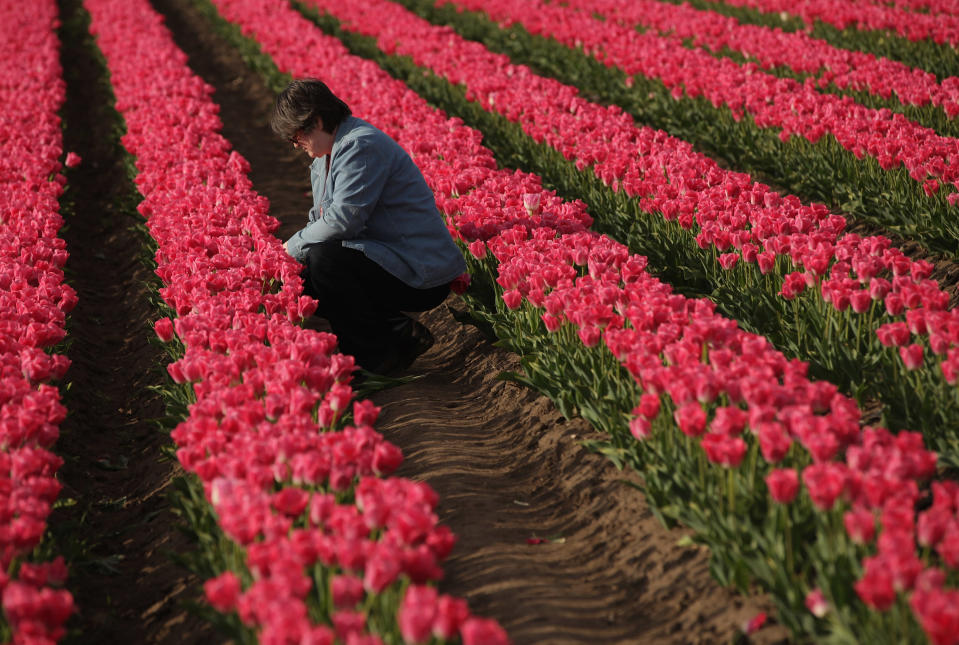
[640, 428]
[938, 613]
[774, 441]
[816, 603]
[724, 450]
[875, 588]
[348, 623]
[766, 261]
[755, 623]
[860, 525]
[589, 335]
[482, 631]
[381, 569]
[728, 421]
[893, 334]
[912, 356]
[386, 458]
[825, 482]
[460, 284]
[948, 546]
[450, 615]
[291, 501]
[728, 260]
[223, 592]
[783, 485]
[513, 299]
[478, 249]
[649, 405]
[860, 301]
[164, 329]
[417, 613]
[691, 419]
[793, 285]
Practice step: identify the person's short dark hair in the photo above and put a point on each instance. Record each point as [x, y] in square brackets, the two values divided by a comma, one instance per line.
[301, 103]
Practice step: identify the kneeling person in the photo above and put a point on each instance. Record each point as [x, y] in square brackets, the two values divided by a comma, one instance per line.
[375, 244]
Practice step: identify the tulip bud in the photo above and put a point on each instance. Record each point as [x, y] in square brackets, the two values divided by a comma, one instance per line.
[816, 603]
[164, 329]
[860, 301]
[417, 613]
[531, 202]
[640, 427]
[223, 592]
[513, 298]
[860, 525]
[691, 419]
[783, 485]
[912, 356]
[478, 249]
[825, 482]
[483, 631]
[386, 458]
[648, 406]
[728, 260]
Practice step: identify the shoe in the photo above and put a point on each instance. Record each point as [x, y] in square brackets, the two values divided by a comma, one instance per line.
[422, 340]
[416, 340]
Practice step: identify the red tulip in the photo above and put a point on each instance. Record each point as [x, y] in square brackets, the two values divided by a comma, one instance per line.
[912, 356]
[482, 631]
[417, 613]
[691, 419]
[783, 485]
[825, 482]
[875, 588]
[860, 525]
[223, 592]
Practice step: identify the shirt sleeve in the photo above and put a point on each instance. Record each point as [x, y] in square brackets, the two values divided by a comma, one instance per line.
[358, 173]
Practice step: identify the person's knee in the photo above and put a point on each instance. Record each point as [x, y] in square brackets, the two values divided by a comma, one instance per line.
[321, 258]
[322, 275]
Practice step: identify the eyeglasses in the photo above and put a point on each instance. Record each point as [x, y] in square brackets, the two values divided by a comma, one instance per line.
[295, 138]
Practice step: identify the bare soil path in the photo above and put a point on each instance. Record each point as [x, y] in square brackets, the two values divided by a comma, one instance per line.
[120, 530]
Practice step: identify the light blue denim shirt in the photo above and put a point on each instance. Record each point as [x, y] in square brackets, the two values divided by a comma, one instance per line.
[376, 200]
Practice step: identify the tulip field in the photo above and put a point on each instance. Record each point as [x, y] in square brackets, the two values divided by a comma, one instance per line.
[725, 233]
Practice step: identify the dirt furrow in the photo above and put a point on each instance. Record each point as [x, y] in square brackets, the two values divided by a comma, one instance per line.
[510, 470]
[115, 523]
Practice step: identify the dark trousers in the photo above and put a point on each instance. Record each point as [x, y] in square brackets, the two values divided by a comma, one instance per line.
[362, 301]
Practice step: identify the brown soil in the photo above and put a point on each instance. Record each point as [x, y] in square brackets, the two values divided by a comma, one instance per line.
[505, 463]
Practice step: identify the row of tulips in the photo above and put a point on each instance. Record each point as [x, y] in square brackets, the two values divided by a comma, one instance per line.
[727, 433]
[34, 301]
[950, 7]
[823, 171]
[796, 51]
[327, 547]
[939, 27]
[704, 381]
[787, 246]
[791, 107]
